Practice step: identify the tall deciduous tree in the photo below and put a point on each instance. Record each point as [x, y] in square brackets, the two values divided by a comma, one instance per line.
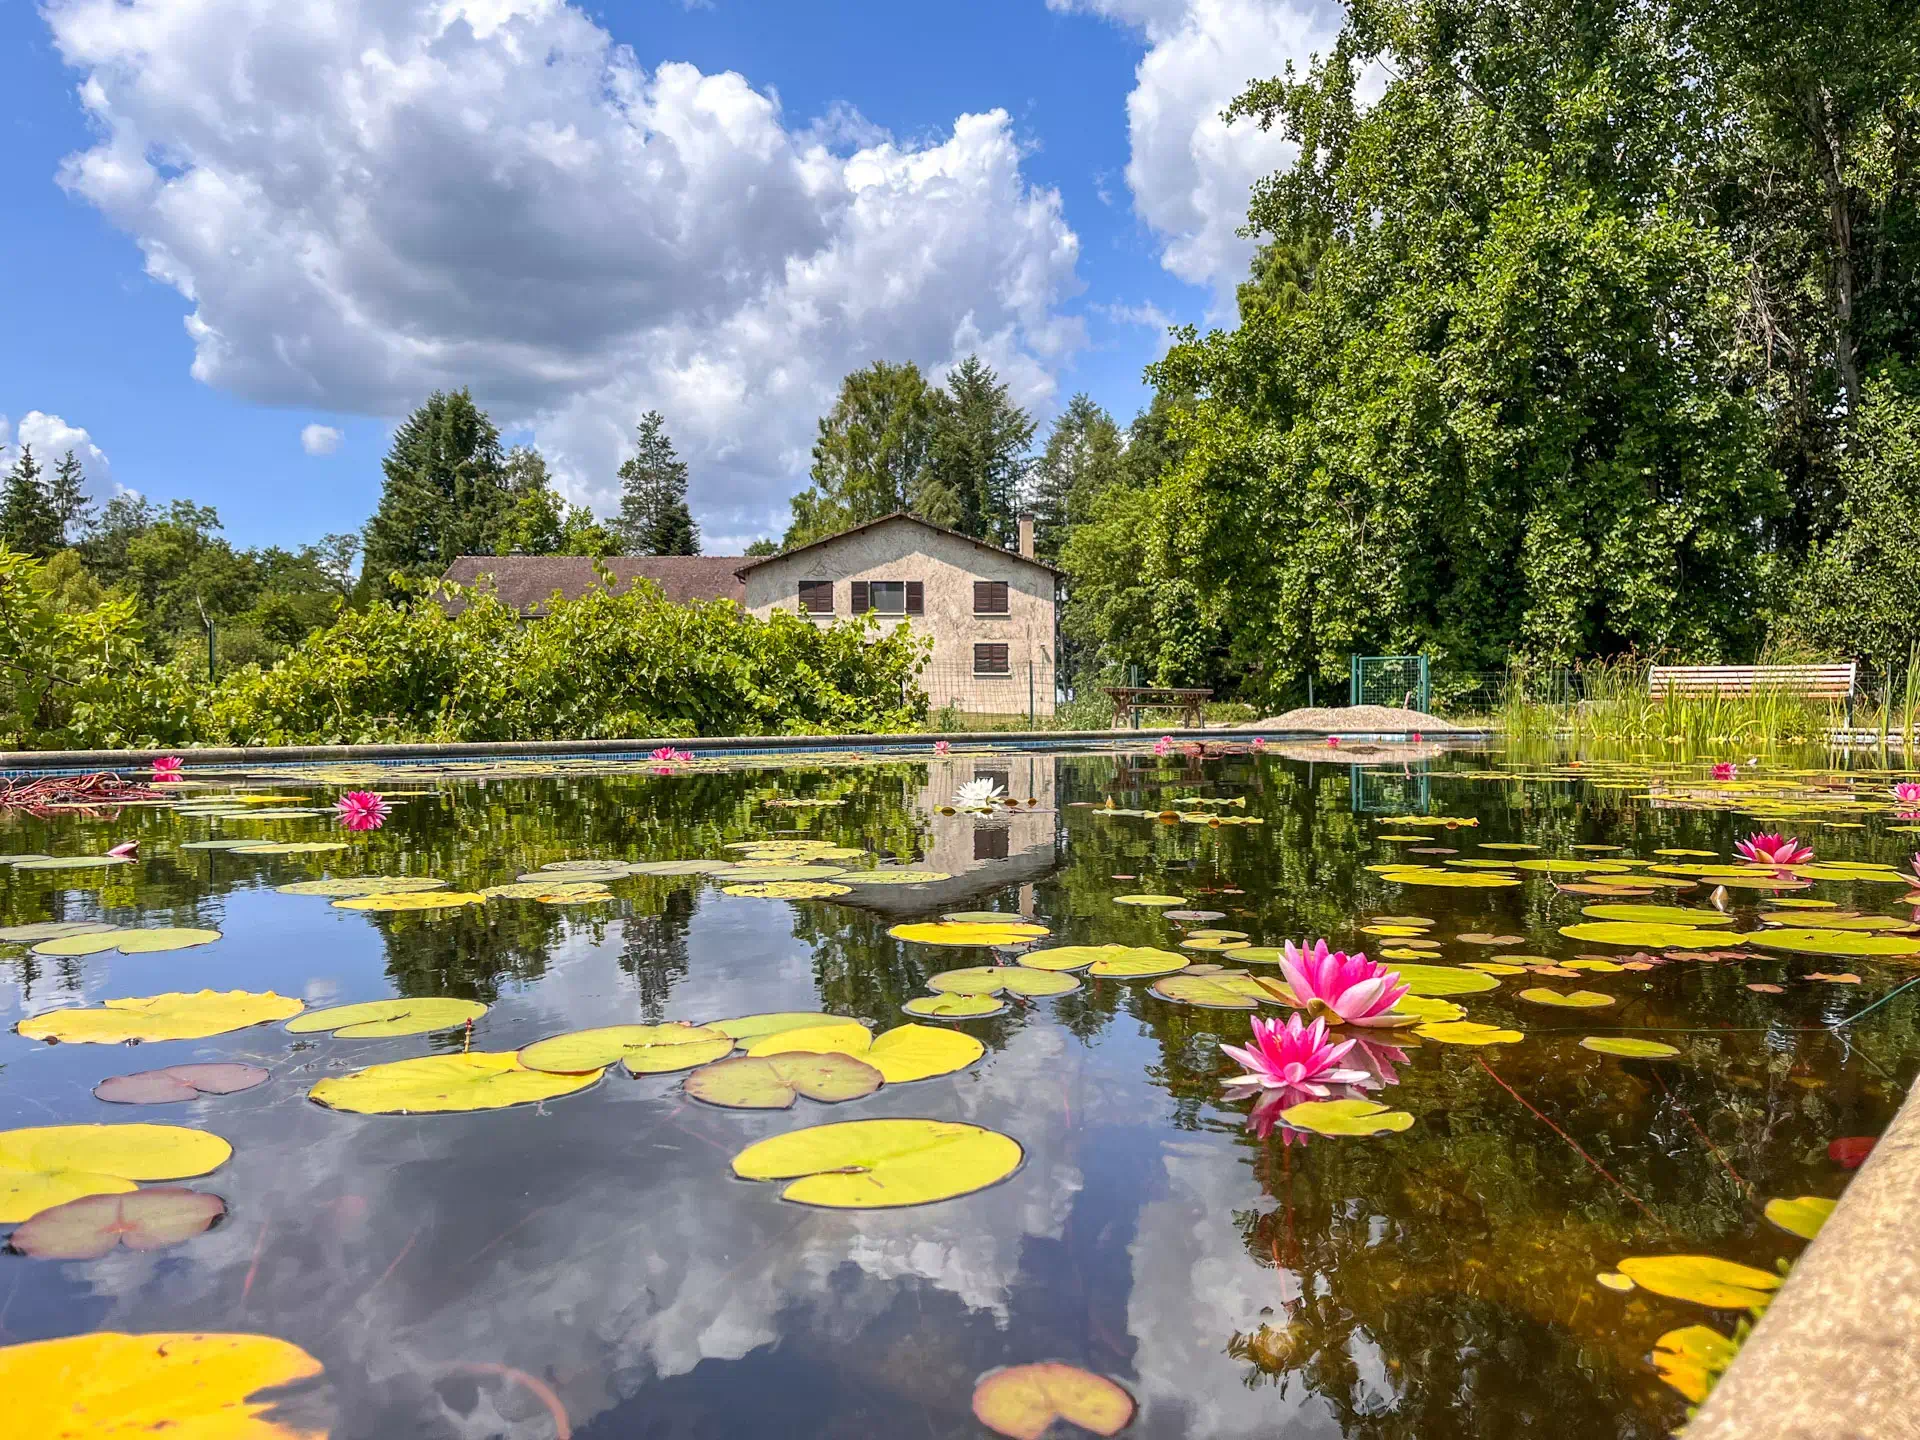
[446, 491]
[541, 522]
[654, 519]
[978, 458]
[1083, 456]
[27, 520]
[871, 455]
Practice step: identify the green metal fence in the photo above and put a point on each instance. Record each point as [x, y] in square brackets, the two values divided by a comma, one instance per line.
[1397, 680]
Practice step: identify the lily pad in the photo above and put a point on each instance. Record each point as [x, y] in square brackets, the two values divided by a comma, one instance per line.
[1804, 941]
[902, 1054]
[1150, 900]
[94, 1225]
[947, 932]
[1213, 942]
[1803, 1216]
[955, 1007]
[411, 900]
[1449, 879]
[400, 1016]
[48, 1165]
[440, 1084]
[1445, 980]
[1567, 1000]
[551, 892]
[893, 877]
[51, 930]
[1485, 967]
[677, 867]
[1692, 1359]
[1692, 916]
[1079, 957]
[295, 847]
[175, 1083]
[1136, 963]
[781, 874]
[642, 1049]
[1003, 979]
[1570, 867]
[1002, 918]
[1346, 1118]
[1259, 955]
[743, 1028]
[1220, 992]
[127, 942]
[1884, 924]
[1467, 1032]
[71, 862]
[881, 1164]
[773, 1082]
[1702, 1279]
[363, 885]
[1628, 1048]
[1642, 935]
[787, 890]
[1428, 1008]
[1026, 1401]
[176, 1015]
[195, 1386]
[1614, 1280]
[1871, 874]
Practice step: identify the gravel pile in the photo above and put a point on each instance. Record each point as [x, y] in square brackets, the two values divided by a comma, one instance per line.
[1358, 720]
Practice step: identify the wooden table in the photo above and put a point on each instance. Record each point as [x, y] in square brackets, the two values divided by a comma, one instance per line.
[1130, 700]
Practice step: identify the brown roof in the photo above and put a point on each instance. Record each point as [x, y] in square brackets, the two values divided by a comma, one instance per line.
[912, 519]
[527, 582]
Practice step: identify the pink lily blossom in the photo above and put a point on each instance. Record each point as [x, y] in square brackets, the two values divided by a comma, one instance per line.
[1774, 849]
[361, 810]
[1163, 745]
[1259, 742]
[126, 850]
[1342, 989]
[167, 768]
[1334, 741]
[1724, 771]
[1416, 737]
[1907, 793]
[1293, 1057]
[941, 747]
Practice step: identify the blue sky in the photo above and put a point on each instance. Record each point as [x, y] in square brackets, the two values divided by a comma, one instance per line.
[243, 237]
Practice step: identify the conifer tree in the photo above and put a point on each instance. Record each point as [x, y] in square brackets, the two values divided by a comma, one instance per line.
[27, 520]
[446, 492]
[654, 519]
[67, 494]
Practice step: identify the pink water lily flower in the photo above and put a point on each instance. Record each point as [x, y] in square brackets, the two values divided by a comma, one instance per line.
[1907, 793]
[126, 850]
[1724, 771]
[1334, 741]
[167, 768]
[1163, 745]
[1259, 742]
[1293, 1057]
[1339, 988]
[941, 747]
[1773, 849]
[361, 810]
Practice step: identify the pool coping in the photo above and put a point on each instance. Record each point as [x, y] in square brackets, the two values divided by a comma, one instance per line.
[1837, 1355]
[17, 763]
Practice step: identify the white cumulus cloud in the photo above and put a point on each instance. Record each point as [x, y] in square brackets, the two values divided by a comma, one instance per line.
[364, 200]
[320, 439]
[1192, 174]
[50, 437]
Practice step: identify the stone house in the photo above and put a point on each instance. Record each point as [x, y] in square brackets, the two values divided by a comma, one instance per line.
[990, 612]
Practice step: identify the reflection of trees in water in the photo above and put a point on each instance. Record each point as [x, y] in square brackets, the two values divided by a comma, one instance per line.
[653, 952]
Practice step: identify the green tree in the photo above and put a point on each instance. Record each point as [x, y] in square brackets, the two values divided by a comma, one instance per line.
[446, 492]
[654, 519]
[765, 545]
[978, 455]
[871, 454]
[27, 520]
[1083, 457]
[67, 496]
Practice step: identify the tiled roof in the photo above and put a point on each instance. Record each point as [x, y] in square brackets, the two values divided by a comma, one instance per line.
[527, 582]
[911, 519]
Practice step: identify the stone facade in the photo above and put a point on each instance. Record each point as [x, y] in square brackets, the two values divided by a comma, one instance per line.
[926, 577]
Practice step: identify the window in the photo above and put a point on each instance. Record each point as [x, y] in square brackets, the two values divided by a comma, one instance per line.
[990, 597]
[816, 597]
[991, 660]
[990, 842]
[890, 597]
[1002, 780]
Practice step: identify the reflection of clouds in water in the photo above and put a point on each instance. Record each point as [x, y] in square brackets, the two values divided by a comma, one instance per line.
[1194, 1287]
[594, 1245]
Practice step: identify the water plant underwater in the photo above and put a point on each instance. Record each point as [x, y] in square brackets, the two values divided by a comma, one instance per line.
[1319, 1072]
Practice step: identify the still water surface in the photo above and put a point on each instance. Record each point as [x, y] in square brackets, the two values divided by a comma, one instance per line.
[1430, 1284]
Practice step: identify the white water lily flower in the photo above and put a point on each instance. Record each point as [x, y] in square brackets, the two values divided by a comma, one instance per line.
[980, 795]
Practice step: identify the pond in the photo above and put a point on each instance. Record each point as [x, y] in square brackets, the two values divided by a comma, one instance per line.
[589, 1262]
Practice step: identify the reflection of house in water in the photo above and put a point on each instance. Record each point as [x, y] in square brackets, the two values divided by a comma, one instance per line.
[982, 853]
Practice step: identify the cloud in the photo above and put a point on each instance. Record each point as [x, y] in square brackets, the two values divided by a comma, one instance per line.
[1191, 174]
[320, 439]
[51, 437]
[370, 199]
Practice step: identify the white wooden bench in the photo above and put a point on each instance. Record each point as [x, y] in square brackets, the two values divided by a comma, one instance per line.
[1817, 682]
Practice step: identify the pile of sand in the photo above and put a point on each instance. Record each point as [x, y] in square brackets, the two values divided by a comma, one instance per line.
[1357, 720]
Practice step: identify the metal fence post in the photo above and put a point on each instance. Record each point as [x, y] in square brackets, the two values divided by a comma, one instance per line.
[1030, 710]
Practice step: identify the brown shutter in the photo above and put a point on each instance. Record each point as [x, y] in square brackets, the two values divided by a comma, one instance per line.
[916, 597]
[859, 602]
[982, 596]
[816, 597]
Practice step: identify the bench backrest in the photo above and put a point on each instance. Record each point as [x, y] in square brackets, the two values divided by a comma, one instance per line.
[1821, 682]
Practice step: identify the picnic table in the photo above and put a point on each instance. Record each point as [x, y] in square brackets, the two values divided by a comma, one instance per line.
[1130, 700]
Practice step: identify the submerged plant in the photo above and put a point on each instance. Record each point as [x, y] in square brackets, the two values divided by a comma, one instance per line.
[1294, 1058]
[361, 810]
[978, 796]
[1342, 989]
[1775, 849]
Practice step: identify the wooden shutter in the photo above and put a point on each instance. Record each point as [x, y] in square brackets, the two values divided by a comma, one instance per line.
[859, 604]
[990, 660]
[916, 597]
[990, 842]
[990, 597]
[816, 597]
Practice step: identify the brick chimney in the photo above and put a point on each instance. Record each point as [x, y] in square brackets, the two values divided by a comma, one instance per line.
[1026, 536]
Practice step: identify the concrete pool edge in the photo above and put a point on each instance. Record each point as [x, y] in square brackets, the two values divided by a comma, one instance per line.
[1837, 1355]
[29, 762]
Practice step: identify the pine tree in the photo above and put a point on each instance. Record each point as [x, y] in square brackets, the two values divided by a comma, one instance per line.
[67, 495]
[27, 521]
[654, 519]
[979, 455]
[446, 491]
[1082, 458]
[871, 455]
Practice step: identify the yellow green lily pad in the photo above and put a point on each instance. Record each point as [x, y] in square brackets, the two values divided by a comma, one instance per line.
[400, 1016]
[1003, 979]
[787, 890]
[1803, 1216]
[1567, 1000]
[551, 892]
[176, 1015]
[945, 932]
[1702, 1279]
[1690, 915]
[881, 1164]
[363, 885]
[1467, 1032]
[955, 1007]
[1885, 924]
[1346, 1118]
[127, 942]
[1160, 901]
[1803, 941]
[744, 1028]
[1643, 935]
[1221, 992]
[1448, 879]
[773, 1082]
[1628, 1048]
[642, 1049]
[902, 1054]
[1445, 980]
[1025, 1402]
[46, 1165]
[1692, 1359]
[442, 1084]
[409, 900]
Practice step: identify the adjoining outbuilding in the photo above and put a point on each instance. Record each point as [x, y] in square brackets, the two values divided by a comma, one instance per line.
[527, 583]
